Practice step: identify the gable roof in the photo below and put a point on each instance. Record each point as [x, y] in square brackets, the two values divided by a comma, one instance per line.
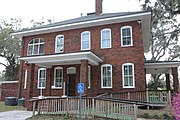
[93, 20]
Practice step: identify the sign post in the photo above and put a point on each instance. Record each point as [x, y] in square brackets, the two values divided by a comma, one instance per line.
[80, 91]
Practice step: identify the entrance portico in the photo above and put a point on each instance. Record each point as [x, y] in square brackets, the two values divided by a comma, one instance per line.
[75, 69]
[167, 68]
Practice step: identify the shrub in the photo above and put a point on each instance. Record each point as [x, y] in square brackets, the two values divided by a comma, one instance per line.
[176, 106]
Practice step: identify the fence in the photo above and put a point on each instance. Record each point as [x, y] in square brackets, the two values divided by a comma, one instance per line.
[95, 107]
[152, 96]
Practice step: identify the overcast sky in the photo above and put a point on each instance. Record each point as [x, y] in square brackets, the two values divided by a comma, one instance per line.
[59, 9]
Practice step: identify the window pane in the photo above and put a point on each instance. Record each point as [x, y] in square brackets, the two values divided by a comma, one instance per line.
[130, 70]
[35, 52]
[85, 37]
[131, 81]
[58, 77]
[60, 44]
[106, 71]
[126, 81]
[123, 32]
[36, 41]
[42, 74]
[30, 50]
[105, 39]
[41, 41]
[85, 45]
[109, 71]
[41, 49]
[106, 43]
[109, 81]
[58, 82]
[126, 36]
[42, 82]
[31, 42]
[85, 41]
[125, 70]
[106, 34]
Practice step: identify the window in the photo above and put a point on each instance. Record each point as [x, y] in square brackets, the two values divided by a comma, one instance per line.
[89, 76]
[59, 44]
[128, 75]
[58, 77]
[126, 36]
[85, 40]
[106, 38]
[25, 80]
[42, 78]
[36, 46]
[106, 76]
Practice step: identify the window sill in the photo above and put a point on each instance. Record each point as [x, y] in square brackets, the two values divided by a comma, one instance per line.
[41, 88]
[53, 87]
[126, 46]
[129, 87]
[106, 87]
[106, 48]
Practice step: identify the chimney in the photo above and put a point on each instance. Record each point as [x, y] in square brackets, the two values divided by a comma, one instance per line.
[98, 7]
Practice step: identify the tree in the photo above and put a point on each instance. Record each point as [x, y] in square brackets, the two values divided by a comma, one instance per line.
[165, 31]
[10, 47]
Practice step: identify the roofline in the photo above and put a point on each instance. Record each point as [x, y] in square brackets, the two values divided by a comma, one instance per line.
[162, 64]
[144, 16]
[70, 26]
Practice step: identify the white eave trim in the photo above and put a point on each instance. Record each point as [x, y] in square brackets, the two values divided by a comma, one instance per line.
[62, 58]
[83, 24]
[162, 65]
[144, 17]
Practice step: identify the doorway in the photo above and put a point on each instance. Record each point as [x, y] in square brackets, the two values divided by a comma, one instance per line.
[71, 81]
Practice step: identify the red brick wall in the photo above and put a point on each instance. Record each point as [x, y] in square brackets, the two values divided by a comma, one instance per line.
[9, 90]
[116, 56]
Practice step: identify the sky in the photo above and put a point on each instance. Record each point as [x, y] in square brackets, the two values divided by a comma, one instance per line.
[59, 10]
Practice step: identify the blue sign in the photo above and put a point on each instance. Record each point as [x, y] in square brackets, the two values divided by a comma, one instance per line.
[80, 87]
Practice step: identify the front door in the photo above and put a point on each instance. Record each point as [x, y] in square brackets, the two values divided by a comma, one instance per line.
[71, 84]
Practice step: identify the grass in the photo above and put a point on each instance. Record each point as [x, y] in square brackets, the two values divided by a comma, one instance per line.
[56, 117]
[4, 108]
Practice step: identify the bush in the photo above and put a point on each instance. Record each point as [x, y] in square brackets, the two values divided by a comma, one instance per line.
[176, 106]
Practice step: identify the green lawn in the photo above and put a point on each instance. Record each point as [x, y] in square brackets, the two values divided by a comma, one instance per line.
[4, 108]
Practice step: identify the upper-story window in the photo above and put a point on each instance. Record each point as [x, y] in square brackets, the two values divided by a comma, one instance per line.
[85, 40]
[36, 46]
[59, 44]
[106, 76]
[126, 36]
[106, 38]
[42, 78]
[128, 75]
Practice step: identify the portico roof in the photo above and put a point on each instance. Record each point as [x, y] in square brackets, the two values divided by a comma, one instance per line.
[160, 67]
[63, 59]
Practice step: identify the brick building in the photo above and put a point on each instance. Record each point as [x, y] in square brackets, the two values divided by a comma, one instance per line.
[103, 51]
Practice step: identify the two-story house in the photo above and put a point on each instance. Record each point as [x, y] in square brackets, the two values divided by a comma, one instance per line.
[103, 51]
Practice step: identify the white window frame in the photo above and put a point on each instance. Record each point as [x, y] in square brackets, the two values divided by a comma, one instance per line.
[25, 79]
[56, 51]
[125, 27]
[54, 86]
[39, 87]
[103, 30]
[89, 47]
[35, 44]
[102, 66]
[125, 64]
[89, 76]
